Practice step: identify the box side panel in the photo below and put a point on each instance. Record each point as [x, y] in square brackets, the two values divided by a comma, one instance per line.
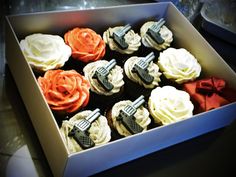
[38, 110]
[186, 36]
[98, 19]
[84, 164]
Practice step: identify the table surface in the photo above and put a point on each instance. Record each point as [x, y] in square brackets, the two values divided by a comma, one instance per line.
[21, 155]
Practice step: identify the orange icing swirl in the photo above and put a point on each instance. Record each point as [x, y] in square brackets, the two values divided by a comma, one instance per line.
[86, 44]
[64, 90]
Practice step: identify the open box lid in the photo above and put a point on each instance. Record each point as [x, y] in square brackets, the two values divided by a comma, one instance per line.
[219, 19]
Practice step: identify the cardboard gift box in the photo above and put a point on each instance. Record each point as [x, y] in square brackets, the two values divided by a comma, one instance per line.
[97, 159]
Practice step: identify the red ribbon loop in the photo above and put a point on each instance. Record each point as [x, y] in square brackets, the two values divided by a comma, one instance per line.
[210, 85]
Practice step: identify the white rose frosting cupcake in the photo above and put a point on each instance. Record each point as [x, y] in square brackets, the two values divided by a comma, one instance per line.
[168, 105]
[179, 65]
[131, 38]
[148, 41]
[141, 117]
[99, 131]
[44, 51]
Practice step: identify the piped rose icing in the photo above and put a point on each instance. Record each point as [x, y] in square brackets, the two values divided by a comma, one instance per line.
[131, 38]
[168, 105]
[65, 91]
[141, 117]
[44, 51]
[179, 65]
[86, 44]
[115, 77]
[99, 131]
[164, 32]
[153, 70]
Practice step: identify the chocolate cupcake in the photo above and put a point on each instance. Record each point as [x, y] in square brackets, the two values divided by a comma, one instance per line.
[126, 118]
[44, 52]
[106, 81]
[156, 35]
[85, 130]
[66, 92]
[141, 75]
[169, 105]
[121, 40]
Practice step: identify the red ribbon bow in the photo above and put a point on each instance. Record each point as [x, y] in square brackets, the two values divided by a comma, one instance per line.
[210, 85]
[210, 93]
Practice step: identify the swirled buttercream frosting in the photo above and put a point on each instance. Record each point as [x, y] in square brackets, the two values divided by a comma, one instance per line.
[44, 51]
[131, 38]
[99, 131]
[141, 117]
[115, 77]
[86, 44]
[64, 91]
[179, 65]
[164, 32]
[168, 105]
[153, 70]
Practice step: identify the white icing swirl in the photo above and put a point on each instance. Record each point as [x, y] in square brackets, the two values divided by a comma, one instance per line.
[179, 65]
[131, 38]
[99, 131]
[153, 70]
[115, 77]
[141, 117]
[168, 105]
[147, 41]
[44, 51]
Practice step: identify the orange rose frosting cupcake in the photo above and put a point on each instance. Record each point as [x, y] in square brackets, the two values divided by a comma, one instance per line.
[86, 44]
[65, 91]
